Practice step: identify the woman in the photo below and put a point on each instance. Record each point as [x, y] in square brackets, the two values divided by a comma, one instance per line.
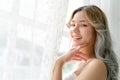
[91, 45]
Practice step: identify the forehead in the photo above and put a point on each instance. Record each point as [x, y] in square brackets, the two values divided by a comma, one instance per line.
[79, 17]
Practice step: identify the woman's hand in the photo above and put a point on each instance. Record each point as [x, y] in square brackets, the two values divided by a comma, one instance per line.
[73, 54]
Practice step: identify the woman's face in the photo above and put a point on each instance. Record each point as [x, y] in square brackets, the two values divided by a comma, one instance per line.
[81, 32]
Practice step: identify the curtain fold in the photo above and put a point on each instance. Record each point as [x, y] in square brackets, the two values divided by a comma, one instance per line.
[30, 35]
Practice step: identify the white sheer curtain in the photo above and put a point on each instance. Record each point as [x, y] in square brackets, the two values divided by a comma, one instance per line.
[30, 34]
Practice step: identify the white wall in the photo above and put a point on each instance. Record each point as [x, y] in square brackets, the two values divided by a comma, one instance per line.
[115, 26]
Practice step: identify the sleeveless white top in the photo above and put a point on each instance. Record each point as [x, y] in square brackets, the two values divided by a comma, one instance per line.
[71, 76]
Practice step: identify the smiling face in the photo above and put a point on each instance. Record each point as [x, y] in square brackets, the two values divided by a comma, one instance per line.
[81, 32]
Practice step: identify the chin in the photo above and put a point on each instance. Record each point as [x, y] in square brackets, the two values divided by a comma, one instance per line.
[74, 45]
[79, 44]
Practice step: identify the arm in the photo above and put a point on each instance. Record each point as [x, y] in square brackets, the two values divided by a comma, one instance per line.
[57, 70]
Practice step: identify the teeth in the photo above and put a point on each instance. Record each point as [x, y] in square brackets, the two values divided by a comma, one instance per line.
[76, 37]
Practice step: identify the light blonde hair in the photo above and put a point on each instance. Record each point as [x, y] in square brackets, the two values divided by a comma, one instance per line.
[103, 44]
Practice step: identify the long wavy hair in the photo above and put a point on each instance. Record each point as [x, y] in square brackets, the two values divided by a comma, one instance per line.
[103, 45]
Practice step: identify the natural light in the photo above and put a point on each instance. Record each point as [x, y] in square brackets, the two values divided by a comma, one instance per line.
[33, 33]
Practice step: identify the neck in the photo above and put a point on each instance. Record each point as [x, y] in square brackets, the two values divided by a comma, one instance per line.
[89, 51]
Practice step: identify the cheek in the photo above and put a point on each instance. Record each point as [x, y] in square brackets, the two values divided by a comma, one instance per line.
[70, 33]
[88, 35]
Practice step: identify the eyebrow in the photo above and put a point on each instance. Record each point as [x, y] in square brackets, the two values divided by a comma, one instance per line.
[79, 21]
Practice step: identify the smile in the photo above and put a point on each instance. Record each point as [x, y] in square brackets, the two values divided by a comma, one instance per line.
[76, 38]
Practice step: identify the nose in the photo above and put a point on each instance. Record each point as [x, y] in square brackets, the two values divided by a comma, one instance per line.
[76, 29]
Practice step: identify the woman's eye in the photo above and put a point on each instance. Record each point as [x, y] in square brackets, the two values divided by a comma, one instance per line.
[83, 25]
[72, 25]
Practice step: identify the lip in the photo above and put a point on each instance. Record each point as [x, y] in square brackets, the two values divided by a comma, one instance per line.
[76, 38]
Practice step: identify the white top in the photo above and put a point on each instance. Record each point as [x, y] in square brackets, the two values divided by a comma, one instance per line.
[71, 76]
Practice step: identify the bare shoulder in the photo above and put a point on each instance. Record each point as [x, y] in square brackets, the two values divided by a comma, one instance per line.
[94, 70]
[96, 63]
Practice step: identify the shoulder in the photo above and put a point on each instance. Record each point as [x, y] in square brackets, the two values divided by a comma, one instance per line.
[94, 70]
[96, 63]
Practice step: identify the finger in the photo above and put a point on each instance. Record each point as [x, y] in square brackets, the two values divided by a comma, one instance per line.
[77, 57]
[75, 50]
[84, 56]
